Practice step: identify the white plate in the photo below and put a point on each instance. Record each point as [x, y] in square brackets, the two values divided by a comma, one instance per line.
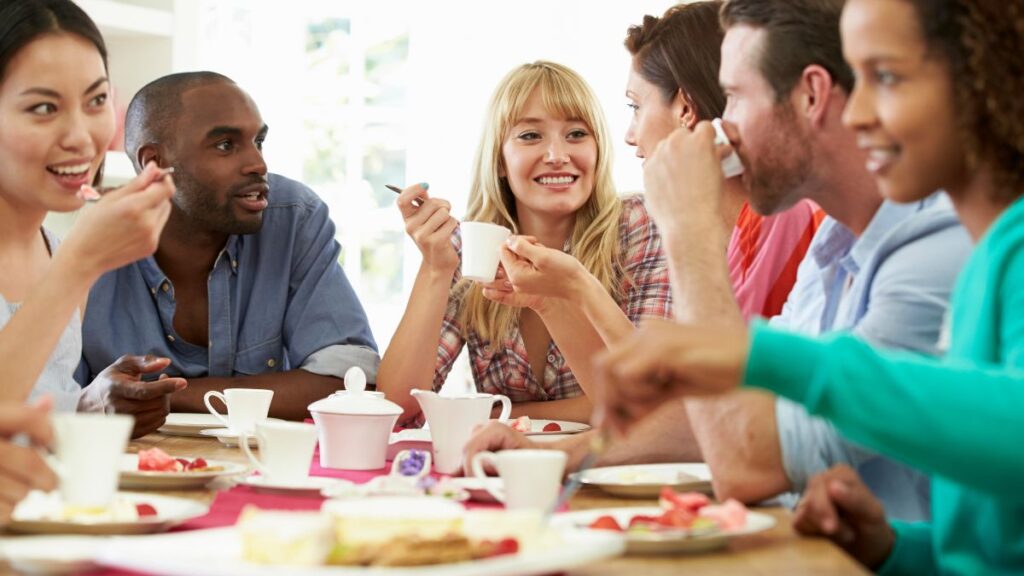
[218, 551]
[311, 485]
[409, 439]
[133, 478]
[51, 554]
[477, 487]
[568, 427]
[188, 424]
[662, 542]
[169, 512]
[647, 480]
[226, 436]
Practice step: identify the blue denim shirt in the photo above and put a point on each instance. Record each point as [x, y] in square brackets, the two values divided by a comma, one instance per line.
[890, 287]
[278, 300]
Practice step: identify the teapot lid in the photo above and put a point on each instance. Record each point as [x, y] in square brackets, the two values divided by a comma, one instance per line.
[356, 400]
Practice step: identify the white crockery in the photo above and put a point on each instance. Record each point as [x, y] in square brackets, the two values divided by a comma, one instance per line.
[452, 420]
[246, 407]
[354, 427]
[286, 449]
[88, 449]
[481, 249]
[531, 478]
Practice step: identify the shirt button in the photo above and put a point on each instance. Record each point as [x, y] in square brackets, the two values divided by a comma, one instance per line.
[271, 362]
[152, 291]
[234, 263]
[170, 338]
[165, 287]
[551, 358]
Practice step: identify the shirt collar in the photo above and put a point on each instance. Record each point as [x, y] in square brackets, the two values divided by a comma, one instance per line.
[155, 277]
[836, 243]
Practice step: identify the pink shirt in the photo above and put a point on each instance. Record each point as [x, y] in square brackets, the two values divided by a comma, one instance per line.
[765, 253]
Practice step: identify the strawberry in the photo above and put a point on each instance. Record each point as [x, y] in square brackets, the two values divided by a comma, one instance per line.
[156, 460]
[552, 427]
[690, 501]
[196, 464]
[605, 523]
[506, 546]
[678, 518]
[641, 520]
[144, 510]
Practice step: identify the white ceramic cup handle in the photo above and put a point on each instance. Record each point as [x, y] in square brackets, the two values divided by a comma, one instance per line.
[506, 407]
[243, 443]
[222, 398]
[477, 464]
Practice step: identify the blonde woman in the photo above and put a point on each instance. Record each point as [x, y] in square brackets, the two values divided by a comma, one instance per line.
[543, 169]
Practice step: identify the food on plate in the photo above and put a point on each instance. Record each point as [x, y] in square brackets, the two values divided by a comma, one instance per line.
[382, 532]
[521, 424]
[690, 511]
[49, 506]
[156, 460]
[552, 427]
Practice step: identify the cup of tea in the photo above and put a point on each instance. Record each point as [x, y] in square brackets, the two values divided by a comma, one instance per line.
[531, 478]
[88, 449]
[481, 249]
[286, 450]
[246, 407]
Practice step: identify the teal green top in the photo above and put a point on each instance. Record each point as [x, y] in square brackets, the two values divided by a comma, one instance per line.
[960, 419]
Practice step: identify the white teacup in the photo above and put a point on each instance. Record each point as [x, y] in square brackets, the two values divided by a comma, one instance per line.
[246, 407]
[286, 450]
[481, 249]
[88, 450]
[531, 478]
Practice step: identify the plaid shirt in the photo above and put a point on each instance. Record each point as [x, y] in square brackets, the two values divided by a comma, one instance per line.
[503, 368]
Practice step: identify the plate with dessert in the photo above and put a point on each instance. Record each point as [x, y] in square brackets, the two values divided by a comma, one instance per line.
[681, 523]
[538, 427]
[647, 480]
[154, 469]
[380, 536]
[129, 513]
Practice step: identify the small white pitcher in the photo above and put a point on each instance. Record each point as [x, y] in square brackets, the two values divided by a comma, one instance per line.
[452, 420]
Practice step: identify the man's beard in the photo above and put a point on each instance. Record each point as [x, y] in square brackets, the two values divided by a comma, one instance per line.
[198, 203]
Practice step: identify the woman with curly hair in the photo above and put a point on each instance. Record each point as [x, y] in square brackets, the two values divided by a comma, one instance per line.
[543, 170]
[937, 106]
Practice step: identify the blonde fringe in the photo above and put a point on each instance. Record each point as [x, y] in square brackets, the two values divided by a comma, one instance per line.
[595, 237]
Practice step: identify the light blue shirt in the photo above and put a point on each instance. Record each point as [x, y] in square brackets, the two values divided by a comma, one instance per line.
[278, 300]
[890, 287]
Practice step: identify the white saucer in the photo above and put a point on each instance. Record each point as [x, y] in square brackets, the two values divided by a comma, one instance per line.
[227, 436]
[477, 487]
[188, 424]
[312, 484]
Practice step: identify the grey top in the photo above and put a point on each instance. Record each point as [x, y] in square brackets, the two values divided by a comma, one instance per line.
[57, 378]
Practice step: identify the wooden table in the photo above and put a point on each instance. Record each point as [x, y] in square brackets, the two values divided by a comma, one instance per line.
[776, 551]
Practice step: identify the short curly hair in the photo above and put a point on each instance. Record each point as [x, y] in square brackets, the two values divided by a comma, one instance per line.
[983, 42]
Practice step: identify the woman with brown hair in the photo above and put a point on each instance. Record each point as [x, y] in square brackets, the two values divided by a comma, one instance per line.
[673, 82]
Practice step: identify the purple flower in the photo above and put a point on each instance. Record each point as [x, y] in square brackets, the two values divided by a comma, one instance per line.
[413, 463]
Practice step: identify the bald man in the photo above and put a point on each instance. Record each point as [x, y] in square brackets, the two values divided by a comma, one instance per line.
[245, 289]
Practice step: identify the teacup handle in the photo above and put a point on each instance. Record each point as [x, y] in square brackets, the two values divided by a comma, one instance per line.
[220, 396]
[477, 464]
[506, 406]
[243, 442]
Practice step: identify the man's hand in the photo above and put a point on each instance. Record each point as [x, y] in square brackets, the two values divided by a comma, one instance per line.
[494, 437]
[840, 507]
[664, 360]
[22, 468]
[683, 180]
[120, 390]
